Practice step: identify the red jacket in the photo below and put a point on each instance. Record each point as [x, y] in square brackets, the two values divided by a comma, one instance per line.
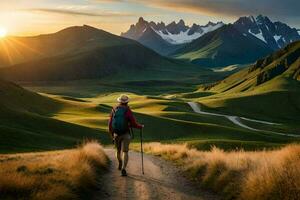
[129, 115]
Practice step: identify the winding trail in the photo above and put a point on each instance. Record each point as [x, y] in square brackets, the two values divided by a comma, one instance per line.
[237, 120]
[162, 180]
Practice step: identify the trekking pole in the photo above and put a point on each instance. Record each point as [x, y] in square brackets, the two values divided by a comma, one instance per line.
[132, 133]
[142, 153]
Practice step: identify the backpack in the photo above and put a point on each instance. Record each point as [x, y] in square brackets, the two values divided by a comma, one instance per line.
[119, 121]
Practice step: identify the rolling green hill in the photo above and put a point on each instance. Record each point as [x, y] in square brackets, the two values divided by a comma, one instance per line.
[26, 122]
[222, 47]
[166, 120]
[268, 89]
[54, 122]
[92, 64]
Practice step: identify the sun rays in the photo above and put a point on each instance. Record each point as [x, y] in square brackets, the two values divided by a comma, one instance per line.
[14, 50]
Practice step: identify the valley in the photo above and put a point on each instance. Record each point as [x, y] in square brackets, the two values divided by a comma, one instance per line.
[75, 98]
[219, 104]
[168, 117]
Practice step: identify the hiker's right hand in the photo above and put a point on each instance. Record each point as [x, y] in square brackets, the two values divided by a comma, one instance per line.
[143, 126]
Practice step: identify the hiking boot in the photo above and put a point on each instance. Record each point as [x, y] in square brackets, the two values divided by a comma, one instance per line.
[123, 172]
[120, 166]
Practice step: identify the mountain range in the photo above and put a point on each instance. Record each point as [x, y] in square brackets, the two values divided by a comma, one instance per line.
[165, 38]
[222, 47]
[208, 46]
[275, 34]
[85, 52]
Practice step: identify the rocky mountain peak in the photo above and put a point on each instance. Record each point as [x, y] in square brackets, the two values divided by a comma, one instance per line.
[276, 34]
[141, 20]
[181, 23]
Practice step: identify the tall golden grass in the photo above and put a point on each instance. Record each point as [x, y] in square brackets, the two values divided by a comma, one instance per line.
[68, 174]
[257, 175]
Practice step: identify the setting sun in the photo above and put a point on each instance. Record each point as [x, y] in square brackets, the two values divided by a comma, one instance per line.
[3, 32]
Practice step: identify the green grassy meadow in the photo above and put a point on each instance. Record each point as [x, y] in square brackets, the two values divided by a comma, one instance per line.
[167, 116]
[27, 123]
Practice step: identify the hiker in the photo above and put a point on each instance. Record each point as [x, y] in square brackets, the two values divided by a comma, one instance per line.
[120, 123]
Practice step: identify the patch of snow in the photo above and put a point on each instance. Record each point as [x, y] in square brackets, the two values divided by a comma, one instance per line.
[144, 30]
[284, 39]
[212, 28]
[180, 38]
[259, 36]
[299, 32]
[183, 36]
[244, 34]
[277, 37]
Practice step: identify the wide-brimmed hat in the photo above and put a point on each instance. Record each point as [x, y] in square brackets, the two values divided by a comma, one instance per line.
[123, 99]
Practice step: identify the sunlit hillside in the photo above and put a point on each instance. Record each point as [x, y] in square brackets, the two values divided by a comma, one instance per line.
[268, 89]
[27, 125]
[68, 174]
[238, 174]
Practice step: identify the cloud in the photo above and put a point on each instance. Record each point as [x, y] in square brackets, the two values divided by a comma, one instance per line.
[225, 7]
[79, 13]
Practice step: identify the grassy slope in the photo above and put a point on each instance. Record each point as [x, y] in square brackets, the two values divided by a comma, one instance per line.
[68, 174]
[16, 50]
[92, 64]
[275, 99]
[26, 122]
[238, 174]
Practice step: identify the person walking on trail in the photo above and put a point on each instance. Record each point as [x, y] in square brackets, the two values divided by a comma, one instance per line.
[120, 123]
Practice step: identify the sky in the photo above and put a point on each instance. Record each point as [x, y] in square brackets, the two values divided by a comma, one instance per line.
[33, 17]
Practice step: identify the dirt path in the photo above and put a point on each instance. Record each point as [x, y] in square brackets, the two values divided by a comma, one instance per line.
[237, 120]
[162, 180]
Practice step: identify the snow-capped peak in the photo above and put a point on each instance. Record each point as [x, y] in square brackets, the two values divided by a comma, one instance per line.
[258, 35]
[274, 34]
[188, 35]
[181, 38]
